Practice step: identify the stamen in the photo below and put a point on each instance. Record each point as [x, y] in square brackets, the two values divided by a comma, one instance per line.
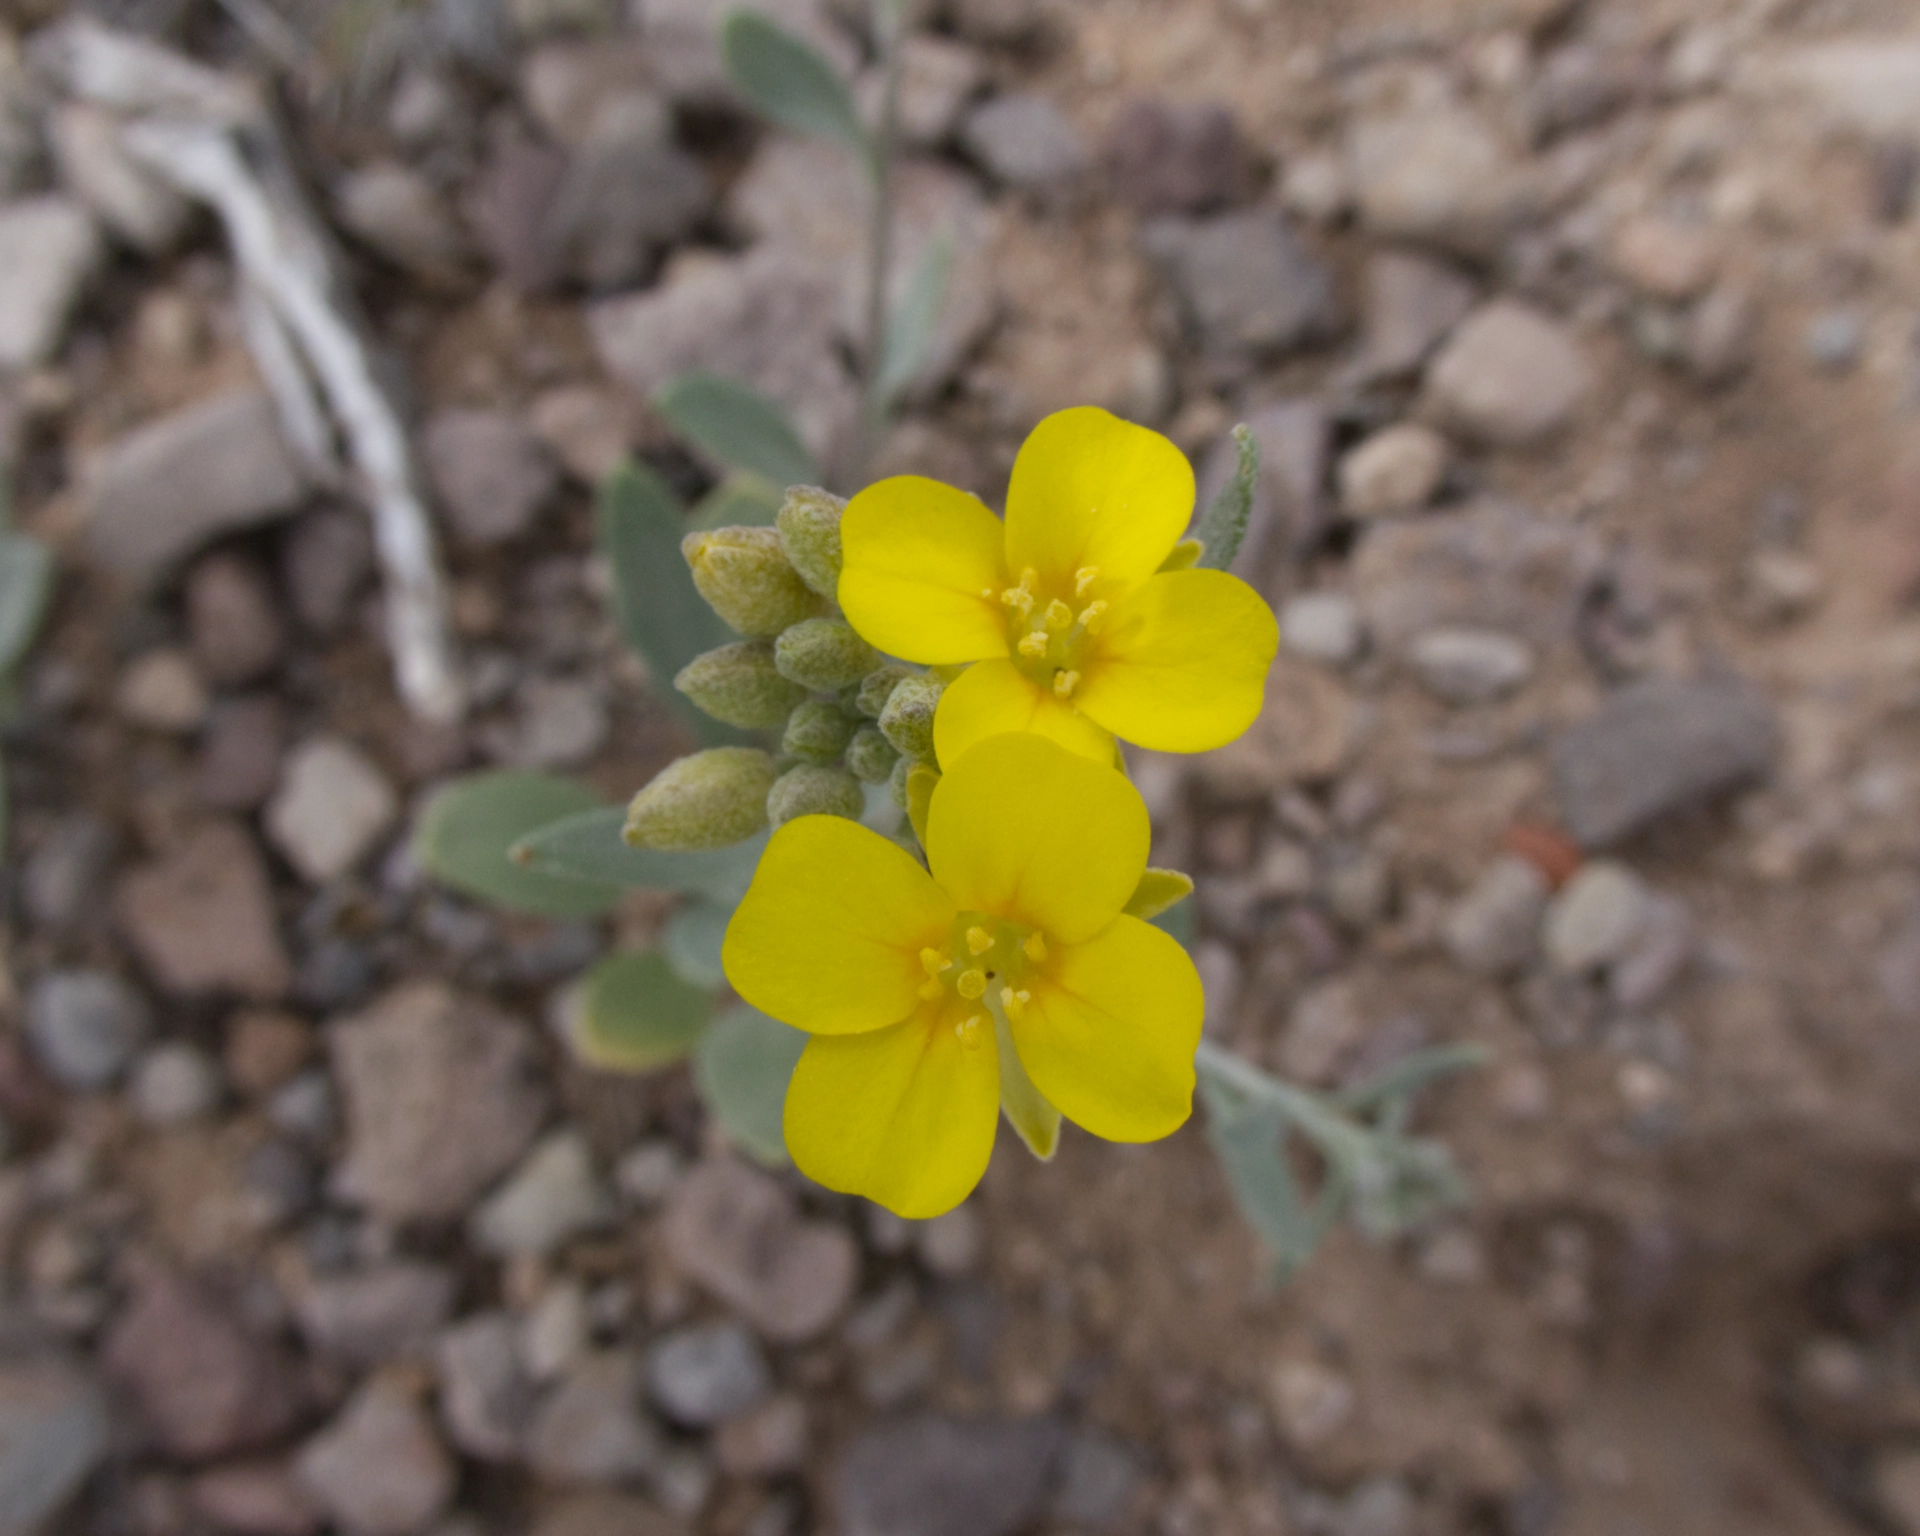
[1093, 615]
[1083, 578]
[931, 990]
[1034, 644]
[1059, 615]
[934, 961]
[1015, 1003]
[1018, 598]
[1035, 948]
[971, 984]
[971, 1032]
[979, 941]
[1064, 683]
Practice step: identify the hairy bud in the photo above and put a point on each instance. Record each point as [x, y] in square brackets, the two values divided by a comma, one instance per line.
[809, 526]
[744, 576]
[817, 732]
[870, 756]
[810, 790]
[708, 800]
[878, 685]
[740, 685]
[823, 654]
[908, 718]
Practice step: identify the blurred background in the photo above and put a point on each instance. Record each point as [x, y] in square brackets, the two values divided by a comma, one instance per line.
[1582, 344]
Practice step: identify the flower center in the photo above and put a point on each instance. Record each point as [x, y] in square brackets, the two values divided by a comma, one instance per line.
[986, 962]
[1048, 633]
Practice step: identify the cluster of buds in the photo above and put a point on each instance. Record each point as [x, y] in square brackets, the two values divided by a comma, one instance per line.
[845, 716]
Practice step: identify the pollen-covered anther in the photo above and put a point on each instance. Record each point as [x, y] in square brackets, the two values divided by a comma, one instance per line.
[1019, 599]
[971, 1032]
[1065, 682]
[971, 984]
[979, 941]
[1035, 947]
[1034, 644]
[1015, 1002]
[1093, 616]
[934, 961]
[932, 990]
[1083, 578]
[1059, 615]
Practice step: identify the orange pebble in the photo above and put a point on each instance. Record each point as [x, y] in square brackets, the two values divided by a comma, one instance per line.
[1547, 849]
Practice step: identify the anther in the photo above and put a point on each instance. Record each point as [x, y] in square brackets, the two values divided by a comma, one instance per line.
[931, 990]
[971, 984]
[1059, 615]
[1035, 948]
[1034, 644]
[1015, 1003]
[979, 941]
[1019, 599]
[971, 1032]
[1093, 615]
[934, 961]
[1083, 578]
[1065, 682]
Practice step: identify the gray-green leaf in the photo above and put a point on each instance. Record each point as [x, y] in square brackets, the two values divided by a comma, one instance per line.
[915, 320]
[1225, 522]
[467, 828]
[1249, 1137]
[693, 939]
[742, 1067]
[737, 427]
[588, 846]
[787, 81]
[26, 580]
[634, 1013]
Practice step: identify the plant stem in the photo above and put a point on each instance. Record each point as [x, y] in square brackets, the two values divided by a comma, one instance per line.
[1307, 1110]
[890, 27]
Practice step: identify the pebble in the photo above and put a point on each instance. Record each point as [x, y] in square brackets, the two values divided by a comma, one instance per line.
[401, 215]
[1245, 280]
[551, 1198]
[737, 1232]
[1177, 157]
[367, 1317]
[441, 1099]
[556, 1330]
[623, 198]
[770, 1440]
[935, 1476]
[49, 252]
[1398, 469]
[328, 558]
[161, 690]
[1656, 747]
[1494, 929]
[938, 78]
[85, 1026]
[136, 206]
[1717, 340]
[1317, 187]
[378, 1469]
[1510, 376]
[682, 40]
[703, 1376]
[490, 472]
[333, 806]
[1469, 666]
[1324, 1026]
[1311, 1402]
[305, 1108]
[1595, 917]
[1303, 734]
[54, 1431]
[1323, 626]
[1222, 975]
[1410, 304]
[174, 1084]
[1664, 259]
[649, 1173]
[487, 1397]
[1435, 175]
[1026, 142]
[590, 1428]
[240, 751]
[951, 1246]
[264, 1051]
[1835, 340]
[587, 429]
[63, 874]
[563, 722]
[233, 621]
[1099, 1478]
[1659, 952]
[160, 491]
[254, 1498]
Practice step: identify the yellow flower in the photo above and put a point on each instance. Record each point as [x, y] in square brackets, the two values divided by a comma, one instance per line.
[1076, 631]
[1011, 976]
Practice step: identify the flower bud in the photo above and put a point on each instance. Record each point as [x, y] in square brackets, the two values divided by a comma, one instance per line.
[817, 732]
[745, 578]
[823, 654]
[870, 756]
[908, 717]
[878, 685]
[708, 800]
[739, 685]
[810, 790]
[809, 525]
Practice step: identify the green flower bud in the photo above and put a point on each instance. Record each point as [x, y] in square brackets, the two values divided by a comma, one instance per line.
[870, 756]
[823, 654]
[897, 780]
[817, 732]
[708, 800]
[878, 685]
[740, 685]
[809, 524]
[745, 578]
[810, 790]
[908, 717]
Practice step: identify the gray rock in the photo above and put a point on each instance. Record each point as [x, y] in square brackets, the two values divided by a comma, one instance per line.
[1596, 917]
[1661, 947]
[49, 251]
[1398, 469]
[240, 751]
[1509, 376]
[202, 917]
[85, 1026]
[331, 810]
[53, 1432]
[1246, 282]
[63, 873]
[1323, 626]
[328, 558]
[1177, 157]
[487, 1398]
[162, 690]
[683, 38]
[1469, 666]
[1871, 86]
[441, 1099]
[951, 1246]
[1436, 175]
[378, 1469]
[135, 205]
[1411, 304]
[366, 1317]
[938, 78]
[1656, 747]
[553, 1196]
[1835, 339]
[702, 1376]
[1380, 1506]
[1026, 142]
[402, 217]
[233, 620]
[1717, 339]
[162, 490]
[1324, 1026]
[490, 473]
[621, 202]
[254, 1498]
[768, 1441]
[590, 1428]
[563, 722]
[932, 1476]
[1099, 1476]
[1494, 929]
[174, 1084]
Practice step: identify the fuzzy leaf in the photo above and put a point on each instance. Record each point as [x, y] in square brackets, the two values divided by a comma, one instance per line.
[915, 320]
[1249, 1137]
[634, 1013]
[467, 828]
[692, 942]
[1225, 523]
[789, 82]
[588, 846]
[739, 428]
[742, 1067]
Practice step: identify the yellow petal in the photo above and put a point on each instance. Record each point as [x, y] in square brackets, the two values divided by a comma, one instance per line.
[1034, 1120]
[1022, 829]
[1183, 662]
[829, 935]
[1091, 490]
[905, 1116]
[921, 571]
[1110, 1032]
[994, 697]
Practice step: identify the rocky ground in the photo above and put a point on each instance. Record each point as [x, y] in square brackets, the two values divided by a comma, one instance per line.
[1582, 344]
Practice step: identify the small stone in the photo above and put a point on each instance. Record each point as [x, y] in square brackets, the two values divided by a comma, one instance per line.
[935, 1476]
[332, 808]
[1380, 1506]
[1025, 142]
[54, 1431]
[552, 1197]
[699, 1377]
[649, 1173]
[265, 1050]
[736, 1232]
[202, 917]
[1302, 735]
[1396, 470]
[61, 877]
[1835, 340]
[85, 1026]
[162, 691]
[770, 1440]
[233, 620]
[441, 1098]
[1323, 626]
[1509, 376]
[1436, 175]
[682, 39]
[329, 556]
[1311, 1402]
[951, 1246]
[1782, 584]
[563, 722]
[487, 1398]
[1665, 260]
[1411, 304]
[1717, 340]
[1316, 187]
[623, 198]
[587, 429]
[1323, 1028]
[49, 251]
[1247, 283]
[378, 1469]
[555, 1332]
[1661, 947]
[490, 473]
[160, 491]
[1177, 157]
[1896, 1487]
[1494, 930]
[590, 1428]
[1469, 666]
[254, 1498]
[366, 1317]
[136, 206]
[1595, 918]
[402, 216]
[174, 1084]
[240, 751]
[938, 78]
